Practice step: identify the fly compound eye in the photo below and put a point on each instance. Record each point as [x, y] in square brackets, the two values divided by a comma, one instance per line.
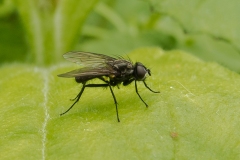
[141, 72]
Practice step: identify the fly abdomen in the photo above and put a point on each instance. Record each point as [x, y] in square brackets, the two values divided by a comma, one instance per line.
[84, 78]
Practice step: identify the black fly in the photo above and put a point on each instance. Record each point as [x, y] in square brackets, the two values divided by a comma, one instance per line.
[112, 71]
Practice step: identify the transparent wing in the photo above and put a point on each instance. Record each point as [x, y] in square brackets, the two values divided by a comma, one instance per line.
[88, 72]
[88, 59]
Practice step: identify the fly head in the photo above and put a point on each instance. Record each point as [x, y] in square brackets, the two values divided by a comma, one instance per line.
[140, 71]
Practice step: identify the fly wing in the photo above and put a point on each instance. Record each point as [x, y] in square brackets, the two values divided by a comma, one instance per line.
[88, 59]
[88, 72]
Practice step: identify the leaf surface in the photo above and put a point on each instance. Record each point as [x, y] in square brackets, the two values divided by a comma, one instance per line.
[196, 115]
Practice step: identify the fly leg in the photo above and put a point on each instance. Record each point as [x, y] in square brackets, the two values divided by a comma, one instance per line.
[73, 99]
[115, 101]
[150, 88]
[76, 98]
[80, 94]
[139, 94]
[147, 88]
[94, 85]
[114, 98]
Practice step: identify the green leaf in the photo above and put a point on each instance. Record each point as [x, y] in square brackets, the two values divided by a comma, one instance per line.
[196, 115]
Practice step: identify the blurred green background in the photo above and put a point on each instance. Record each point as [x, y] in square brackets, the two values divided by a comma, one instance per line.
[196, 115]
[40, 31]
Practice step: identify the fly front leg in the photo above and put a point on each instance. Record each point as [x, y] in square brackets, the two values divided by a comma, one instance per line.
[150, 88]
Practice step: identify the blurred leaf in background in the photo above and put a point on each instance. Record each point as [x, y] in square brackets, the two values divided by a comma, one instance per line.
[207, 29]
[50, 27]
[12, 38]
[116, 27]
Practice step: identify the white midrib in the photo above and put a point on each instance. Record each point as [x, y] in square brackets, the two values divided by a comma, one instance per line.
[45, 107]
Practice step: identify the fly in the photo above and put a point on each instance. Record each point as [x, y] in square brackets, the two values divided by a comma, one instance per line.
[111, 71]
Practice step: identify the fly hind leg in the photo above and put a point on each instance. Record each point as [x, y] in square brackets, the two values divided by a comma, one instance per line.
[94, 85]
[76, 99]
